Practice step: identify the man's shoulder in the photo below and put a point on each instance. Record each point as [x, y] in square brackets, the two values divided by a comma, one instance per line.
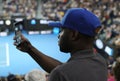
[63, 67]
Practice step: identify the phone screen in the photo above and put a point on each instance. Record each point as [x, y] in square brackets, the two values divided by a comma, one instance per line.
[17, 34]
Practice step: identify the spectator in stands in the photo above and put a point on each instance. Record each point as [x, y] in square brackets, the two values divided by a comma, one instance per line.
[12, 77]
[79, 28]
[3, 79]
[116, 69]
[35, 75]
[117, 41]
[110, 75]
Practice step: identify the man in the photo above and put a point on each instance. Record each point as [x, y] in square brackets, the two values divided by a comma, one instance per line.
[78, 30]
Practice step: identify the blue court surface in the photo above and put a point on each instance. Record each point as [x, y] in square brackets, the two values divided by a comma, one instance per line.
[17, 62]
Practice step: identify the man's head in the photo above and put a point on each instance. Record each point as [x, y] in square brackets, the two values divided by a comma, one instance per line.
[77, 23]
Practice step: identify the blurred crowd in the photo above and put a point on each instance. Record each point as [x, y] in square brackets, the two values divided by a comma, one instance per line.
[26, 8]
[107, 10]
[33, 75]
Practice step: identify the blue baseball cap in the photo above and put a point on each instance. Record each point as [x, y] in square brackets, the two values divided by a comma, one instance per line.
[79, 19]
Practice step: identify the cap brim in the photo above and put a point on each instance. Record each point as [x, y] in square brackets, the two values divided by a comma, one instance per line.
[54, 24]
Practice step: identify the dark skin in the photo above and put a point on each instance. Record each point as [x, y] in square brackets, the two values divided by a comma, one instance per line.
[76, 41]
[73, 39]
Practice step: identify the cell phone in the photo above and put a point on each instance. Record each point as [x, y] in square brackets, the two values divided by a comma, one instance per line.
[17, 33]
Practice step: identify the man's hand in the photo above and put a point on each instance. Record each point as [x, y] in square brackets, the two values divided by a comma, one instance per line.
[24, 45]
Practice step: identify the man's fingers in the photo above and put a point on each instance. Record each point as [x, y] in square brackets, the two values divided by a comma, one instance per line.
[18, 47]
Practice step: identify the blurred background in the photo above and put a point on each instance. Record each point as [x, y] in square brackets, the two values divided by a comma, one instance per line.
[35, 15]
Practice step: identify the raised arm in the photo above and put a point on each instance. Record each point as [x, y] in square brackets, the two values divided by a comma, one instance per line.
[46, 62]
